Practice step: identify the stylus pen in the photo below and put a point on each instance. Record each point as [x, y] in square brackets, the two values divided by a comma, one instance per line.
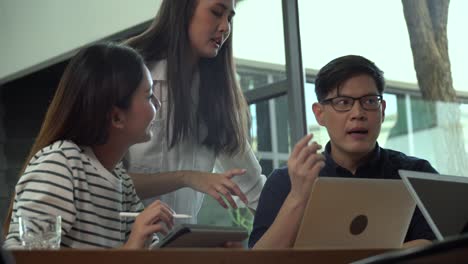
[132, 214]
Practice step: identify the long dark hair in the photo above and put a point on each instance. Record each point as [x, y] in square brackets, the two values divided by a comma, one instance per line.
[98, 78]
[222, 106]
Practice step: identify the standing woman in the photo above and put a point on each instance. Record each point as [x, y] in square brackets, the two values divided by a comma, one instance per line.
[104, 104]
[204, 119]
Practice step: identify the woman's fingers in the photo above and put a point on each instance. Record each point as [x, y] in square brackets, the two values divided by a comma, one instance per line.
[157, 228]
[157, 217]
[166, 217]
[235, 190]
[227, 194]
[159, 203]
[213, 193]
[157, 211]
[227, 187]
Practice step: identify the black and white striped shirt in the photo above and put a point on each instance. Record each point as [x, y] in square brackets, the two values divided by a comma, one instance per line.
[68, 180]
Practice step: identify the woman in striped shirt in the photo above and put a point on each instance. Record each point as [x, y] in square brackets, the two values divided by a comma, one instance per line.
[104, 104]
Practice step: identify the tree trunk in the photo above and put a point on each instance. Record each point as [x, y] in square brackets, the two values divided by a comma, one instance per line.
[427, 27]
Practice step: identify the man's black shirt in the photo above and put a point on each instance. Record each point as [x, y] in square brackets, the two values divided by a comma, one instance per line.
[383, 164]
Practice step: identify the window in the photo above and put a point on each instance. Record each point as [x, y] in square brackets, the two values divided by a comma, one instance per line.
[433, 131]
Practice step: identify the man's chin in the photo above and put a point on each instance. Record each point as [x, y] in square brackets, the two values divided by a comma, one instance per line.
[361, 148]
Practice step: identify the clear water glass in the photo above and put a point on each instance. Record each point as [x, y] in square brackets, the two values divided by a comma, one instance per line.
[40, 231]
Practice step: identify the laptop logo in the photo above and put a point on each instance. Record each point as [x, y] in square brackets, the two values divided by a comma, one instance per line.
[358, 225]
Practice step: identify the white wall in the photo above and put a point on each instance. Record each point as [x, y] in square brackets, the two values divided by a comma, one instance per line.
[35, 32]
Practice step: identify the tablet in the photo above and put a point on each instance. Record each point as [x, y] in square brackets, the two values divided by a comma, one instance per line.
[442, 200]
[202, 236]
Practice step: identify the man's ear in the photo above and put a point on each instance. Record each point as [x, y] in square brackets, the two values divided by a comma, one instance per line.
[117, 118]
[383, 105]
[318, 112]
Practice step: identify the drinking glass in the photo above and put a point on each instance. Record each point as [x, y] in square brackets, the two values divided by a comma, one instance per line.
[40, 231]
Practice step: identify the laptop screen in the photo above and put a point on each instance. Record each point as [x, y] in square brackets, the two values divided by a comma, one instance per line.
[443, 200]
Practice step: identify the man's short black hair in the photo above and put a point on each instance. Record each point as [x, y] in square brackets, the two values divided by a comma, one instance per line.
[339, 70]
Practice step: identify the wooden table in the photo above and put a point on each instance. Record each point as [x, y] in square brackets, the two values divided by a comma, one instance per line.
[205, 256]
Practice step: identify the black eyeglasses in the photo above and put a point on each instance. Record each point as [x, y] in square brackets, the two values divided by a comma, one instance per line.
[345, 103]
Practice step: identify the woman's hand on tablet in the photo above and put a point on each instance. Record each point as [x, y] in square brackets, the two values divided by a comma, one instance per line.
[157, 217]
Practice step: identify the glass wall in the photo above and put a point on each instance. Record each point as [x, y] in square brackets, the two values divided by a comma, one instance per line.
[437, 132]
[270, 133]
[259, 45]
[376, 30]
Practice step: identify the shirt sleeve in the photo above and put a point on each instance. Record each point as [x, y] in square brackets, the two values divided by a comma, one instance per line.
[251, 183]
[46, 187]
[131, 201]
[276, 189]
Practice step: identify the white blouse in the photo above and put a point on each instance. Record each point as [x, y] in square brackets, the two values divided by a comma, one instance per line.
[155, 156]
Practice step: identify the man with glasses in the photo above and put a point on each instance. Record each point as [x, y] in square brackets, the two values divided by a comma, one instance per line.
[350, 106]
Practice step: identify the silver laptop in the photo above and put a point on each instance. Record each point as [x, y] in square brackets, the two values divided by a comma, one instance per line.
[350, 213]
[442, 199]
